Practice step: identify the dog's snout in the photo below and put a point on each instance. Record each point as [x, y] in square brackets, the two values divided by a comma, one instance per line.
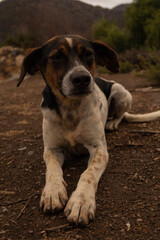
[81, 79]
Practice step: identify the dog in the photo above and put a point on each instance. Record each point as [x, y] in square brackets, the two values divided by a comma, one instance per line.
[76, 106]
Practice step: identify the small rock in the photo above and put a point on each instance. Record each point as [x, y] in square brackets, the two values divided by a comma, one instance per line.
[116, 215]
[77, 236]
[30, 231]
[139, 220]
[4, 210]
[128, 226]
[19, 60]
[30, 153]
[22, 149]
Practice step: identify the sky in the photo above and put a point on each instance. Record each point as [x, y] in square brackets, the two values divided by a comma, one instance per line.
[106, 3]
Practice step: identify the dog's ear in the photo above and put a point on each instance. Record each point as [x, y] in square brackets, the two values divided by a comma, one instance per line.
[31, 63]
[105, 56]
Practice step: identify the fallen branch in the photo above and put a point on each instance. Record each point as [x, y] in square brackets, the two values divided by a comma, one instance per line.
[12, 203]
[145, 131]
[147, 89]
[56, 228]
[24, 207]
[18, 201]
[3, 157]
[5, 192]
[129, 145]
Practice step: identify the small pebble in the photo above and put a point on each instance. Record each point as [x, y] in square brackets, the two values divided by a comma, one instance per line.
[128, 226]
[22, 149]
[139, 220]
[30, 153]
[4, 210]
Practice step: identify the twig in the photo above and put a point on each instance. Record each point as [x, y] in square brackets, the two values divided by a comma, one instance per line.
[129, 145]
[18, 201]
[5, 192]
[147, 89]
[29, 199]
[1, 158]
[12, 203]
[56, 228]
[144, 131]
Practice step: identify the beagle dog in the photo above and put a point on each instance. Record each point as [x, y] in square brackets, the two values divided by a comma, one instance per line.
[75, 108]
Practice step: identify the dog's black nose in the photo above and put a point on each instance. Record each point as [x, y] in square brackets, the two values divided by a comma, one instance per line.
[80, 79]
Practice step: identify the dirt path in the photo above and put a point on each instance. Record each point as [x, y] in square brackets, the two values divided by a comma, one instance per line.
[128, 197]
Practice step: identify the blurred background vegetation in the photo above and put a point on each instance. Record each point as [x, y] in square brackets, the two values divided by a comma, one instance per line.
[138, 39]
[141, 27]
[133, 30]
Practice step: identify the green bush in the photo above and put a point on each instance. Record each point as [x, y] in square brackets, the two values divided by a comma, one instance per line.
[151, 69]
[153, 31]
[21, 40]
[143, 21]
[153, 74]
[125, 67]
[103, 70]
[110, 34]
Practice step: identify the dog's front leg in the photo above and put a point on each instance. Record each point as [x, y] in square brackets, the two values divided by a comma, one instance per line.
[54, 196]
[81, 206]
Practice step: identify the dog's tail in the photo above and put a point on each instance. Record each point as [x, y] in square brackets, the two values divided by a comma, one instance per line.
[147, 117]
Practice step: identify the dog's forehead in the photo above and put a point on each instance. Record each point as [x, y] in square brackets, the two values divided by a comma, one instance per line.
[67, 41]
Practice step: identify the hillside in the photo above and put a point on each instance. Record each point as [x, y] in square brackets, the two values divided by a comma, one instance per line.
[46, 18]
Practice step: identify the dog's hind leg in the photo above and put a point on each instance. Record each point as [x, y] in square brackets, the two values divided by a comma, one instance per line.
[119, 102]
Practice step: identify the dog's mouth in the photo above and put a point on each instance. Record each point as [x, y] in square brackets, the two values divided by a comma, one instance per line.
[79, 94]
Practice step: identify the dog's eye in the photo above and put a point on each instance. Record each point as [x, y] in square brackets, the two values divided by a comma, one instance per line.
[89, 55]
[56, 57]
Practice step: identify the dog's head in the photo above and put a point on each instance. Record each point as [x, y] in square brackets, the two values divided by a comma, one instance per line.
[67, 64]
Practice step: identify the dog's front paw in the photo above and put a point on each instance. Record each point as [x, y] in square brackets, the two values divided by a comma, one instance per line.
[54, 197]
[80, 208]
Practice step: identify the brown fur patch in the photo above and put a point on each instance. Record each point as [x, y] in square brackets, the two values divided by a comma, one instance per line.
[88, 181]
[99, 159]
[96, 168]
[62, 49]
[52, 77]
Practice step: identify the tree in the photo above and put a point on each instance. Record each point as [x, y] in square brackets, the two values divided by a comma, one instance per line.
[140, 18]
[110, 34]
[152, 30]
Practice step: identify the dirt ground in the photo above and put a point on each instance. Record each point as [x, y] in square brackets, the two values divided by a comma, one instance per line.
[128, 197]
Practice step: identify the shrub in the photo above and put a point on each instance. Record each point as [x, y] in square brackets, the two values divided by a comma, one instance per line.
[153, 74]
[151, 68]
[21, 40]
[111, 34]
[142, 21]
[125, 67]
[103, 70]
[153, 31]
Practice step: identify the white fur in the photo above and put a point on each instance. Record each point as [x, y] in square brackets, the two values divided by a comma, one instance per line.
[123, 101]
[69, 41]
[147, 117]
[59, 134]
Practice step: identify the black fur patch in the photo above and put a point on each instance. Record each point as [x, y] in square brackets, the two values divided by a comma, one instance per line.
[104, 85]
[49, 100]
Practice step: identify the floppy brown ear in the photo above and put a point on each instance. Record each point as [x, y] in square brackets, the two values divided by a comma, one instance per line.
[31, 63]
[105, 56]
